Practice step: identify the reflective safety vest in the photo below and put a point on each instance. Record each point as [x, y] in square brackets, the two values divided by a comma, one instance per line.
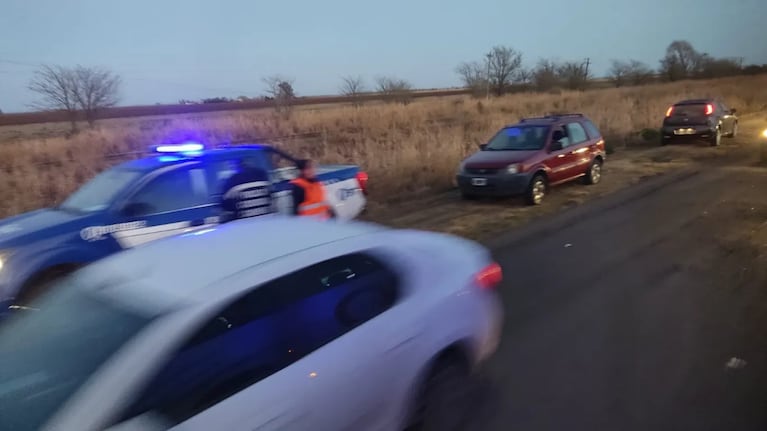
[314, 204]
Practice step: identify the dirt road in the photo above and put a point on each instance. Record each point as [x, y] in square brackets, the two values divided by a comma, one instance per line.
[643, 313]
[482, 220]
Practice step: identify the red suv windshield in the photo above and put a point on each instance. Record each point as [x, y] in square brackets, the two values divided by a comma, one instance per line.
[519, 138]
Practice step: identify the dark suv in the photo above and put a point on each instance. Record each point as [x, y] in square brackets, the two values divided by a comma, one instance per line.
[528, 157]
[706, 119]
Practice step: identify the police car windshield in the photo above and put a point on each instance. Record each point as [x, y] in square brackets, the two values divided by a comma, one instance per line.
[48, 355]
[98, 193]
[519, 138]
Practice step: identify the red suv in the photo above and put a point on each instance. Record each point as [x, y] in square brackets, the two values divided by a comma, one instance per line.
[532, 155]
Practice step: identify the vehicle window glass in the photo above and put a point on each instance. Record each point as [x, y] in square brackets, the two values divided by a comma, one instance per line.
[222, 170]
[592, 130]
[99, 193]
[284, 168]
[576, 133]
[47, 356]
[519, 138]
[171, 191]
[266, 331]
[560, 135]
[691, 110]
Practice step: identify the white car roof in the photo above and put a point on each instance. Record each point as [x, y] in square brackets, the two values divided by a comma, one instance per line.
[174, 267]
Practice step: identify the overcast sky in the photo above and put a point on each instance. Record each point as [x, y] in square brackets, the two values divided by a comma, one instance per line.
[166, 50]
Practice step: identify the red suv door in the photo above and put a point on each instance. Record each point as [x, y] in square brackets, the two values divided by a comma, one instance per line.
[580, 149]
[560, 160]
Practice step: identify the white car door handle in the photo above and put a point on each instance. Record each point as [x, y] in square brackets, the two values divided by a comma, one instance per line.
[398, 344]
[285, 421]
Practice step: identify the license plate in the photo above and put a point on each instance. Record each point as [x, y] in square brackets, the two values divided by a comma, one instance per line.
[479, 181]
[684, 131]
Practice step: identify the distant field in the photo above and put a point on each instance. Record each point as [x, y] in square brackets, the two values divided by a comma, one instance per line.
[204, 108]
[407, 150]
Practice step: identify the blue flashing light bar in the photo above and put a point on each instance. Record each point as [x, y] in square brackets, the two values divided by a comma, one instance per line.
[186, 147]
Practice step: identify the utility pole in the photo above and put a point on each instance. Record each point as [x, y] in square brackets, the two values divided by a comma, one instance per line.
[489, 56]
[588, 62]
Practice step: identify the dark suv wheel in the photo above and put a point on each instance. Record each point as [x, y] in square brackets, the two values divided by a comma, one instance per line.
[716, 138]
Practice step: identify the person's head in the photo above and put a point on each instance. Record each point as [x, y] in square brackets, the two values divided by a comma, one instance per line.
[306, 169]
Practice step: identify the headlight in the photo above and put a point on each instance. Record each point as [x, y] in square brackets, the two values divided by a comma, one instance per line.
[764, 133]
[513, 168]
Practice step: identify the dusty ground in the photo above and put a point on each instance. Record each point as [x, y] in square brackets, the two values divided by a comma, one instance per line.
[648, 315]
[480, 220]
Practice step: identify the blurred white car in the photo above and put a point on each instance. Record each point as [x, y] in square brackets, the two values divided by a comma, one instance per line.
[273, 324]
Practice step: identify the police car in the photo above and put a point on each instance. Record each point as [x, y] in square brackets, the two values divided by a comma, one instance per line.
[176, 190]
[350, 327]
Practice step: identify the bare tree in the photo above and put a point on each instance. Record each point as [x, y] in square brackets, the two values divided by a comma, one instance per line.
[545, 75]
[474, 77]
[353, 87]
[395, 89]
[573, 75]
[57, 86]
[71, 89]
[639, 73]
[503, 63]
[523, 80]
[680, 62]
[280, 89]
[618, 73]
[96, 89]
[710, 67]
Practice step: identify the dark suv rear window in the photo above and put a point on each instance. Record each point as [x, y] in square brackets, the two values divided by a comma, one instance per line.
[691, 110]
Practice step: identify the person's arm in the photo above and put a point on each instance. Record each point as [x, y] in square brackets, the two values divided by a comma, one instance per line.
[298, 197]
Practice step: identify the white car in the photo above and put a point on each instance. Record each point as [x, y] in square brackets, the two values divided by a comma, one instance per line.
[274, 324]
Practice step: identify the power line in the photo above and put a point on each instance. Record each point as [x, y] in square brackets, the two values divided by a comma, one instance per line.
[18, 63]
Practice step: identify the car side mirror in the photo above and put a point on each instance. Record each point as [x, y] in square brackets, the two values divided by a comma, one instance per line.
[482, 147]
[136, 209]
[555, 146]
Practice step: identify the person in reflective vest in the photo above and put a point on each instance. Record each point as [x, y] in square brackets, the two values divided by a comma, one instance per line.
[247, 193]
[309, 194]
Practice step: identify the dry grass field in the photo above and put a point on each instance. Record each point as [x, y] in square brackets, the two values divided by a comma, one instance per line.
[407, 150]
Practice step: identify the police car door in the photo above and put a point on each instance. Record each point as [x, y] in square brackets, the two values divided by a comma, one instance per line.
[171, 201]
[282, 171]
[219, 171]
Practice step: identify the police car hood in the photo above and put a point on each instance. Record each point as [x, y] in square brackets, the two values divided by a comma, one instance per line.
[41, 224]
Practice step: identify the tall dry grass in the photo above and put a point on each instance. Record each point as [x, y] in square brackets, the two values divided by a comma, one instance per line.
[405, 149]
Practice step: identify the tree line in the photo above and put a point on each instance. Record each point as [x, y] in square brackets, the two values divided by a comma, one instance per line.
[502, 70]
[90, 89]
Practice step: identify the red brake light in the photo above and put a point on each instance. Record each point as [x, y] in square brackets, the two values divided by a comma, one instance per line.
[490, 276]
[669, 111]
[362, 179]
[709, 109]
